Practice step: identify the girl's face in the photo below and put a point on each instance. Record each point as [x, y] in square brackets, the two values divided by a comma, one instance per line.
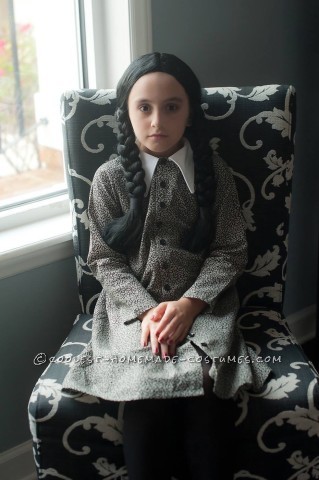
[159, 110]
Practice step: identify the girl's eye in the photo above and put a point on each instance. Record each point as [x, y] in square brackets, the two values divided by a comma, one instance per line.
[144, 108]
[172, 107]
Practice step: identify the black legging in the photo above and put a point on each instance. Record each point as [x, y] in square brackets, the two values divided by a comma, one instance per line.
[184, 437]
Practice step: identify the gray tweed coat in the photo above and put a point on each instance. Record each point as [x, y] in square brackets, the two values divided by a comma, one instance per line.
[114, 366]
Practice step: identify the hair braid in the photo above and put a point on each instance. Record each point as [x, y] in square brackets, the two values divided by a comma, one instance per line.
[129, 153]
[125, 232]
[201, 235]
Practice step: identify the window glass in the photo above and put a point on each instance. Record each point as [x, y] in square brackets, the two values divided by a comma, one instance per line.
[38, 61]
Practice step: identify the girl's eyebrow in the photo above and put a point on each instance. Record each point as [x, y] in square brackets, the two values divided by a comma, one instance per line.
[171, 99]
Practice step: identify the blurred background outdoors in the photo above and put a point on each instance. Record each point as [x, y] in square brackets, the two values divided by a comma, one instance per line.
[30, 86]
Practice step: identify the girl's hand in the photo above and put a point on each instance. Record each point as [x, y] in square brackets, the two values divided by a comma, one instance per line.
[177, 317]
[149, 326]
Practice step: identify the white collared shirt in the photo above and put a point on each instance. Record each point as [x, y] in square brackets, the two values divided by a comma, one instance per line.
[183, 158]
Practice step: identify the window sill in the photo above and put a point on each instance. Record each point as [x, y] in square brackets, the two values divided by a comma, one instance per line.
[34, 245]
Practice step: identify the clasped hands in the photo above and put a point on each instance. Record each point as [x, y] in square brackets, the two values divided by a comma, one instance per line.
[167, 324]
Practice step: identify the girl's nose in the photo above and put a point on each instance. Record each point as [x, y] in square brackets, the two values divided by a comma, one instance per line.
[156, 119]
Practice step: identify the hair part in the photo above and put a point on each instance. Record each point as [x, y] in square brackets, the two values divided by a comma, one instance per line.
[124, 233]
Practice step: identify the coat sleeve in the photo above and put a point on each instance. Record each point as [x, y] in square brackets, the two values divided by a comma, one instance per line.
[228, 254]
[125, 295]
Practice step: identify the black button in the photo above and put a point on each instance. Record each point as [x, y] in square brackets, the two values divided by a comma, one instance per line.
[159, 224]
[162, 241]
[162, 204]
[167, 287]
[165, 265]
[163, 184]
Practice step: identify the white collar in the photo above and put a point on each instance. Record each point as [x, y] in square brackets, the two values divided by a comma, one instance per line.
[183, 158]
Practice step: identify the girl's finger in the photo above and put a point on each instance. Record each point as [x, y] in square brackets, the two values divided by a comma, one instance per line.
[164, 350]
[156, 317]
[145, 334]
[166, 320]
[168, 330]
[154, 342]
[172, 349]
[159, 311]
[174, 337]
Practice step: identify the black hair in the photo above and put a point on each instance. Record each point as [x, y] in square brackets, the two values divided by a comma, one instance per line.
[124, 233]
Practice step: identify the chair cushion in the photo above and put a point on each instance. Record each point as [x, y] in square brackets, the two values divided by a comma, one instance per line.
[276, 431]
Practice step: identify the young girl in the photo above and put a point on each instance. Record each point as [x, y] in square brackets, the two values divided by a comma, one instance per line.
[167, 244]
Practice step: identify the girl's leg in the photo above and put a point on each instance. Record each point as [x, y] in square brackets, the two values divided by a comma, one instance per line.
[188, 436]
[207, 450]
[206, 426]
[148, 440]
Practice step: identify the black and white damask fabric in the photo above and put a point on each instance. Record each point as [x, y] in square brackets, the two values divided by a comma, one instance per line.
[78, 436]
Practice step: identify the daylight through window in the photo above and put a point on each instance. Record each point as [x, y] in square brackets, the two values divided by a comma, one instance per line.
[38, 61]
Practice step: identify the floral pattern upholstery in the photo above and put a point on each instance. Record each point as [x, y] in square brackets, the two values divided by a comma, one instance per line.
[77, 436]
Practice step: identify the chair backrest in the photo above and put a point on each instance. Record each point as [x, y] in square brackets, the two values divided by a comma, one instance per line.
[252, 129]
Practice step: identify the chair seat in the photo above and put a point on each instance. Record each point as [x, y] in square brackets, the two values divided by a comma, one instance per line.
[279, 424]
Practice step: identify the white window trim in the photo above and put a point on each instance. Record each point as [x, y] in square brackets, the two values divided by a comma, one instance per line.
[44, 242]
[38, 234]
[140, 20]
[105, 64]
[32, 212]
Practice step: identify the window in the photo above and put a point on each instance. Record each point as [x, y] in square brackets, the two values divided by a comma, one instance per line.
[38, 60]
[47, 47]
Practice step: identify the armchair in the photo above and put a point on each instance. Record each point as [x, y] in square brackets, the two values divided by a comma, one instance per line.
[77, 436]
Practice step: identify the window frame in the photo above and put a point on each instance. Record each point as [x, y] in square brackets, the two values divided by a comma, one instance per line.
[18, 220]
